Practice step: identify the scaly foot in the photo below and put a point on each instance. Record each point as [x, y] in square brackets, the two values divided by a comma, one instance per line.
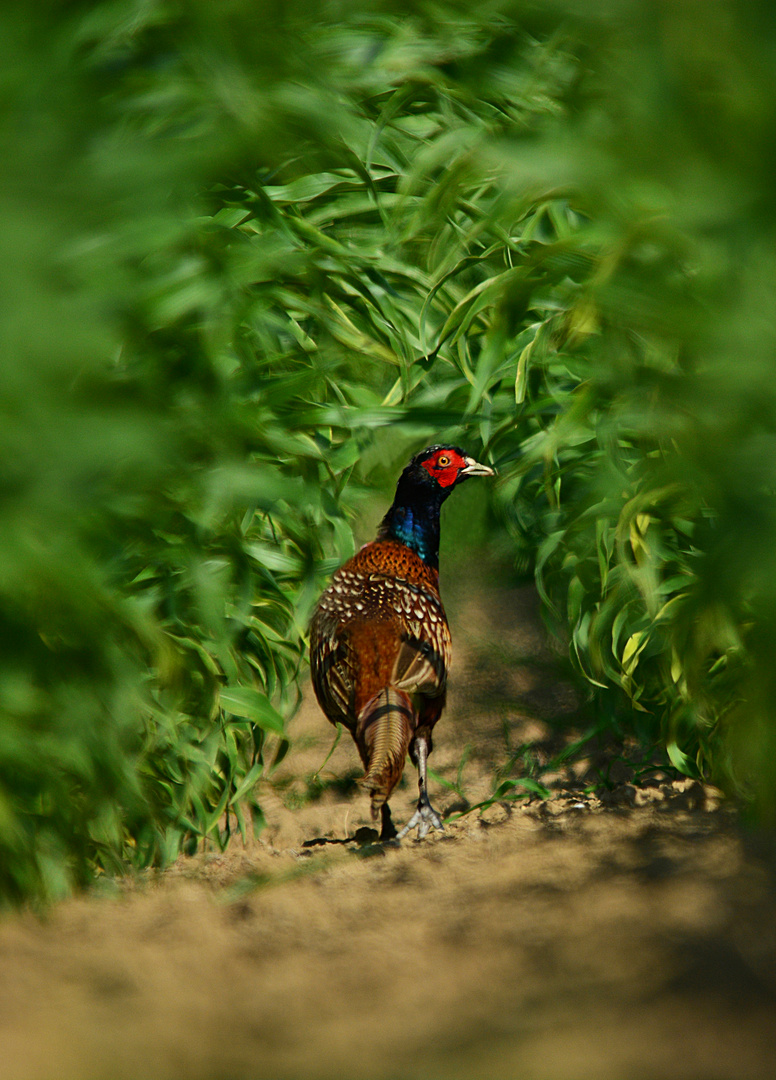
[424, 819]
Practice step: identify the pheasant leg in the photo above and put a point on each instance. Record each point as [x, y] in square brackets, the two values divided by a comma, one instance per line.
[388, 830]
[425, 816]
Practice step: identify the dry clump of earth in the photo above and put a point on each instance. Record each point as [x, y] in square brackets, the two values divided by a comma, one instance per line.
[623, 926]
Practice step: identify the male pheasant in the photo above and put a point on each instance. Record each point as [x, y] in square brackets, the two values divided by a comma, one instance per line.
[379, 639]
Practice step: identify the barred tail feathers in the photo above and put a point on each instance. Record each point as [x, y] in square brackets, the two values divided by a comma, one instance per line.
[385, 727]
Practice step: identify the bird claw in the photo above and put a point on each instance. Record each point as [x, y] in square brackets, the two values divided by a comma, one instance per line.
[424, 819]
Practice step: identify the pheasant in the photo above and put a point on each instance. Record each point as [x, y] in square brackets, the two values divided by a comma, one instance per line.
[379, 639]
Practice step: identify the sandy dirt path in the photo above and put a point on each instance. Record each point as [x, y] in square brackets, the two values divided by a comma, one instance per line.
[631, 935]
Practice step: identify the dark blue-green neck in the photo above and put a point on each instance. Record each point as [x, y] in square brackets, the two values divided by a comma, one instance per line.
[413, 519]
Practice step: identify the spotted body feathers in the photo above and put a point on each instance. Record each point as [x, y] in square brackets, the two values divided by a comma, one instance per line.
[381, 623]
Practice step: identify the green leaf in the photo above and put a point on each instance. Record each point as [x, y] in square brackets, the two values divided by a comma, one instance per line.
[680, 760]
[248, 782]
[253, 705]
[532, 786]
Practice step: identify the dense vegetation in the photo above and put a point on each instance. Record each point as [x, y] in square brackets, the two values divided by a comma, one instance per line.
[253, 253]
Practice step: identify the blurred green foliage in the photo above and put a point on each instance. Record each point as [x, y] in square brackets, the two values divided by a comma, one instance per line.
[253, 253]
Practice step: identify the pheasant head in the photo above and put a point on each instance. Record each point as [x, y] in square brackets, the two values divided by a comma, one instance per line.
[413, 518]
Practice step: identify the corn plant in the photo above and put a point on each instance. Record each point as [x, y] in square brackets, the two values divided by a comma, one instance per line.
[251, 256]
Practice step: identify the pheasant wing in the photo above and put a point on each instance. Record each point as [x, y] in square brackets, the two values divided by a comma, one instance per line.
[424, 653]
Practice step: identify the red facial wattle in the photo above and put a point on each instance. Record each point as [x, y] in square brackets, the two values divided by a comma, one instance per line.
[444, 467]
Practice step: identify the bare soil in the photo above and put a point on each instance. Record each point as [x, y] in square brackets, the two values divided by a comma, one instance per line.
[620, 933]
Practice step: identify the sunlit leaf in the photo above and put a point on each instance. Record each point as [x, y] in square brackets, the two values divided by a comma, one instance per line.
[244, 701]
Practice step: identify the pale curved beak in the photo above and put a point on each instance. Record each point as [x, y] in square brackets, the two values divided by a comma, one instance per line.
[473, 468]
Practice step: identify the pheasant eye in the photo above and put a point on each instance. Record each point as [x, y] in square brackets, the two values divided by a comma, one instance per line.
[443, 461]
